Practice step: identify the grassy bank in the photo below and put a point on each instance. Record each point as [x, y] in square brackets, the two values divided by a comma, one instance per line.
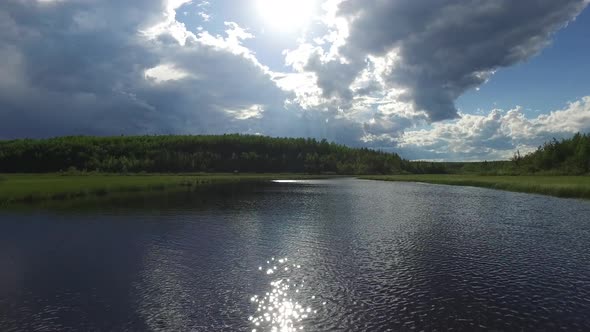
[19, 188]
[560, 186]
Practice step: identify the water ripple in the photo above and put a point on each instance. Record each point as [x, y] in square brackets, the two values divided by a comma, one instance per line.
[362, 256]
[278, 309]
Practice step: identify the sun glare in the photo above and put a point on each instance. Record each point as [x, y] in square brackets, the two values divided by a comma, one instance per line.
[287, 15]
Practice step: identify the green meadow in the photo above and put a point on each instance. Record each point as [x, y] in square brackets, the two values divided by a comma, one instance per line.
[560, 186]
[25, 188]
[22, 188]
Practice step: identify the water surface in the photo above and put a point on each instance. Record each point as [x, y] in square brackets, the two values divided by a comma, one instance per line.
[341, 255]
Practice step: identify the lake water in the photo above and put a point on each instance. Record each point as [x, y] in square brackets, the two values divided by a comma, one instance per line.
[324, 255]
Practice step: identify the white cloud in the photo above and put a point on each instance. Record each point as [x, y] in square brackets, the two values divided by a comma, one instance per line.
[165, 72]
[233, 43]
[432, 51]
[140, 71]
[497, 134]
[307, 93]
[252, 112]
[112, 67]
[574, 118]
[206, 17]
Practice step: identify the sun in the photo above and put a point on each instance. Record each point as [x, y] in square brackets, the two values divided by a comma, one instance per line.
[287, 15]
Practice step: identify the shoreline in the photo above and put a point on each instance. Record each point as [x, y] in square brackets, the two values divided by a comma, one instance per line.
[557, 186]
[34, 188]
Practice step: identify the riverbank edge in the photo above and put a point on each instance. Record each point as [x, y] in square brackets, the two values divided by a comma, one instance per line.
[557, 186]
[34, 188]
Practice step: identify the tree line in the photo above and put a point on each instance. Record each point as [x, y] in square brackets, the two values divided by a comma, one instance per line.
[250, 153]
[570, 156]
[175, 154]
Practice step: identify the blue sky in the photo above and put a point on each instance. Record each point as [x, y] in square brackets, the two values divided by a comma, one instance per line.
[431, 80]
[544, 83]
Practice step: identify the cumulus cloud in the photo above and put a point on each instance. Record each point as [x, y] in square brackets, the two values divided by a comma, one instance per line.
[112, 67]
[432, 51]
[105, 67]
[496, 135]
[369, 73]
[165, 73]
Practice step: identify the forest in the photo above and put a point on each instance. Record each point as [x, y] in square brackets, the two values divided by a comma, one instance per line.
[259, 154]
[570, 156]
[177, 154]
[566, 157]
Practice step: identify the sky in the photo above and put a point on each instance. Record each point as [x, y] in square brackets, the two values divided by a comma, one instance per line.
[455, 80]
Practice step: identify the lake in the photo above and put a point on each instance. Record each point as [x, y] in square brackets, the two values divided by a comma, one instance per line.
[315, 255]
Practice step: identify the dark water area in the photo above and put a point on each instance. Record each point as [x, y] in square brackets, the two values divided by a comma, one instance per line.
[321, 255]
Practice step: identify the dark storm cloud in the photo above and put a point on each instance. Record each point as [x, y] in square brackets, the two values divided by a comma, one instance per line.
[71, 63]
[78, 67]
[444, 48]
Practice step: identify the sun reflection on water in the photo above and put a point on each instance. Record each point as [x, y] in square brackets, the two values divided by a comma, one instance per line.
[279, 309]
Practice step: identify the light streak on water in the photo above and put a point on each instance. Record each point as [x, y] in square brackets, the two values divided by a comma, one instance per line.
[280, 309]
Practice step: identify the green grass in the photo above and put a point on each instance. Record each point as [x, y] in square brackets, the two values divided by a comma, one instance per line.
[23, 188]
[560, 186]
[29, 188]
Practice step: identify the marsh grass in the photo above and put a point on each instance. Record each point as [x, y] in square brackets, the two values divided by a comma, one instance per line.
[29, 188]
[560, 186]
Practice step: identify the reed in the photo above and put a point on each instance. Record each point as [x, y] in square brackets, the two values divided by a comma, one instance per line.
[560, 186]
[24, 188]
